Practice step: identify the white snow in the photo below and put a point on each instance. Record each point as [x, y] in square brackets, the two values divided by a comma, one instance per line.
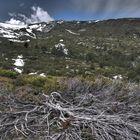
[3, 31]
[67, 66]
[71, 32]
[59, 45]
[117, 77]
[18, 70]
[65, 50]
[60, 22]
[32, 73]
[18, 41]
[10, 30]
[12, 34]
[97, 21]
[33, 26]
[12, 26]
[20, 56]
[41, 27]
[37, 27]
[29, 30]
[9, 36]
[42, 75]
[61, 40]
[36, 73]
[19, 62]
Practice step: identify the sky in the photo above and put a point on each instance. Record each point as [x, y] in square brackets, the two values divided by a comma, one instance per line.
[32, 11]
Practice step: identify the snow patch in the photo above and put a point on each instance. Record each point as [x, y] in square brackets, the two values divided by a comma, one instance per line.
[39, 27]
[29, 30]
[19, 62]
[62, 46]
[97, 21]
[117, 77]
[18, 41]
[9, 36]
[12, 26]
[33, 26]
[71, 32]
[59, 45]
[65, 50]
[42, 75]
[61, 40]
[67, 66]
[35, 73]
[20, 56]
[60, 22]
[18, 70]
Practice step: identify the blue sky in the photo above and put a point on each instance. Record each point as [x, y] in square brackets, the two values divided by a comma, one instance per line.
[67, 9]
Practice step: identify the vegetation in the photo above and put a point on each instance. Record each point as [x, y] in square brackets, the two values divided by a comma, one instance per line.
[8, 73]
[106, 48]
[82, 85]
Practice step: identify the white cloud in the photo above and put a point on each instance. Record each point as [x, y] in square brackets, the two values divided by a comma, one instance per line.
[15, 22]
[38, 15]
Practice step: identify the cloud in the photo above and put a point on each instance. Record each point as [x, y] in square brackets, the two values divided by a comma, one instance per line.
[37, 15]
[15, 22]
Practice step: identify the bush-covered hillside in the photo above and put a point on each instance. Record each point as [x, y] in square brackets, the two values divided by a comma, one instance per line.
[109, 48]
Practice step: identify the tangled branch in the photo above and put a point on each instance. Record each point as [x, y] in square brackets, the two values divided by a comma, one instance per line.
[89, 115]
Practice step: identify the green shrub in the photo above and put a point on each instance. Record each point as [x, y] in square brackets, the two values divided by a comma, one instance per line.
[47, 84]
[36, 81]
[8, 73]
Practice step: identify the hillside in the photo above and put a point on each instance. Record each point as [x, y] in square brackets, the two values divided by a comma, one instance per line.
[70, 80]
[109, 48]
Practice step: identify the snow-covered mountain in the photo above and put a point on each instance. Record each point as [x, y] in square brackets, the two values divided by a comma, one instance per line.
[23, 33]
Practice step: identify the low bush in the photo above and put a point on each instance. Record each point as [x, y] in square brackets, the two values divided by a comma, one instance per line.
[36, 81]
[8, 73]
[47, 84]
